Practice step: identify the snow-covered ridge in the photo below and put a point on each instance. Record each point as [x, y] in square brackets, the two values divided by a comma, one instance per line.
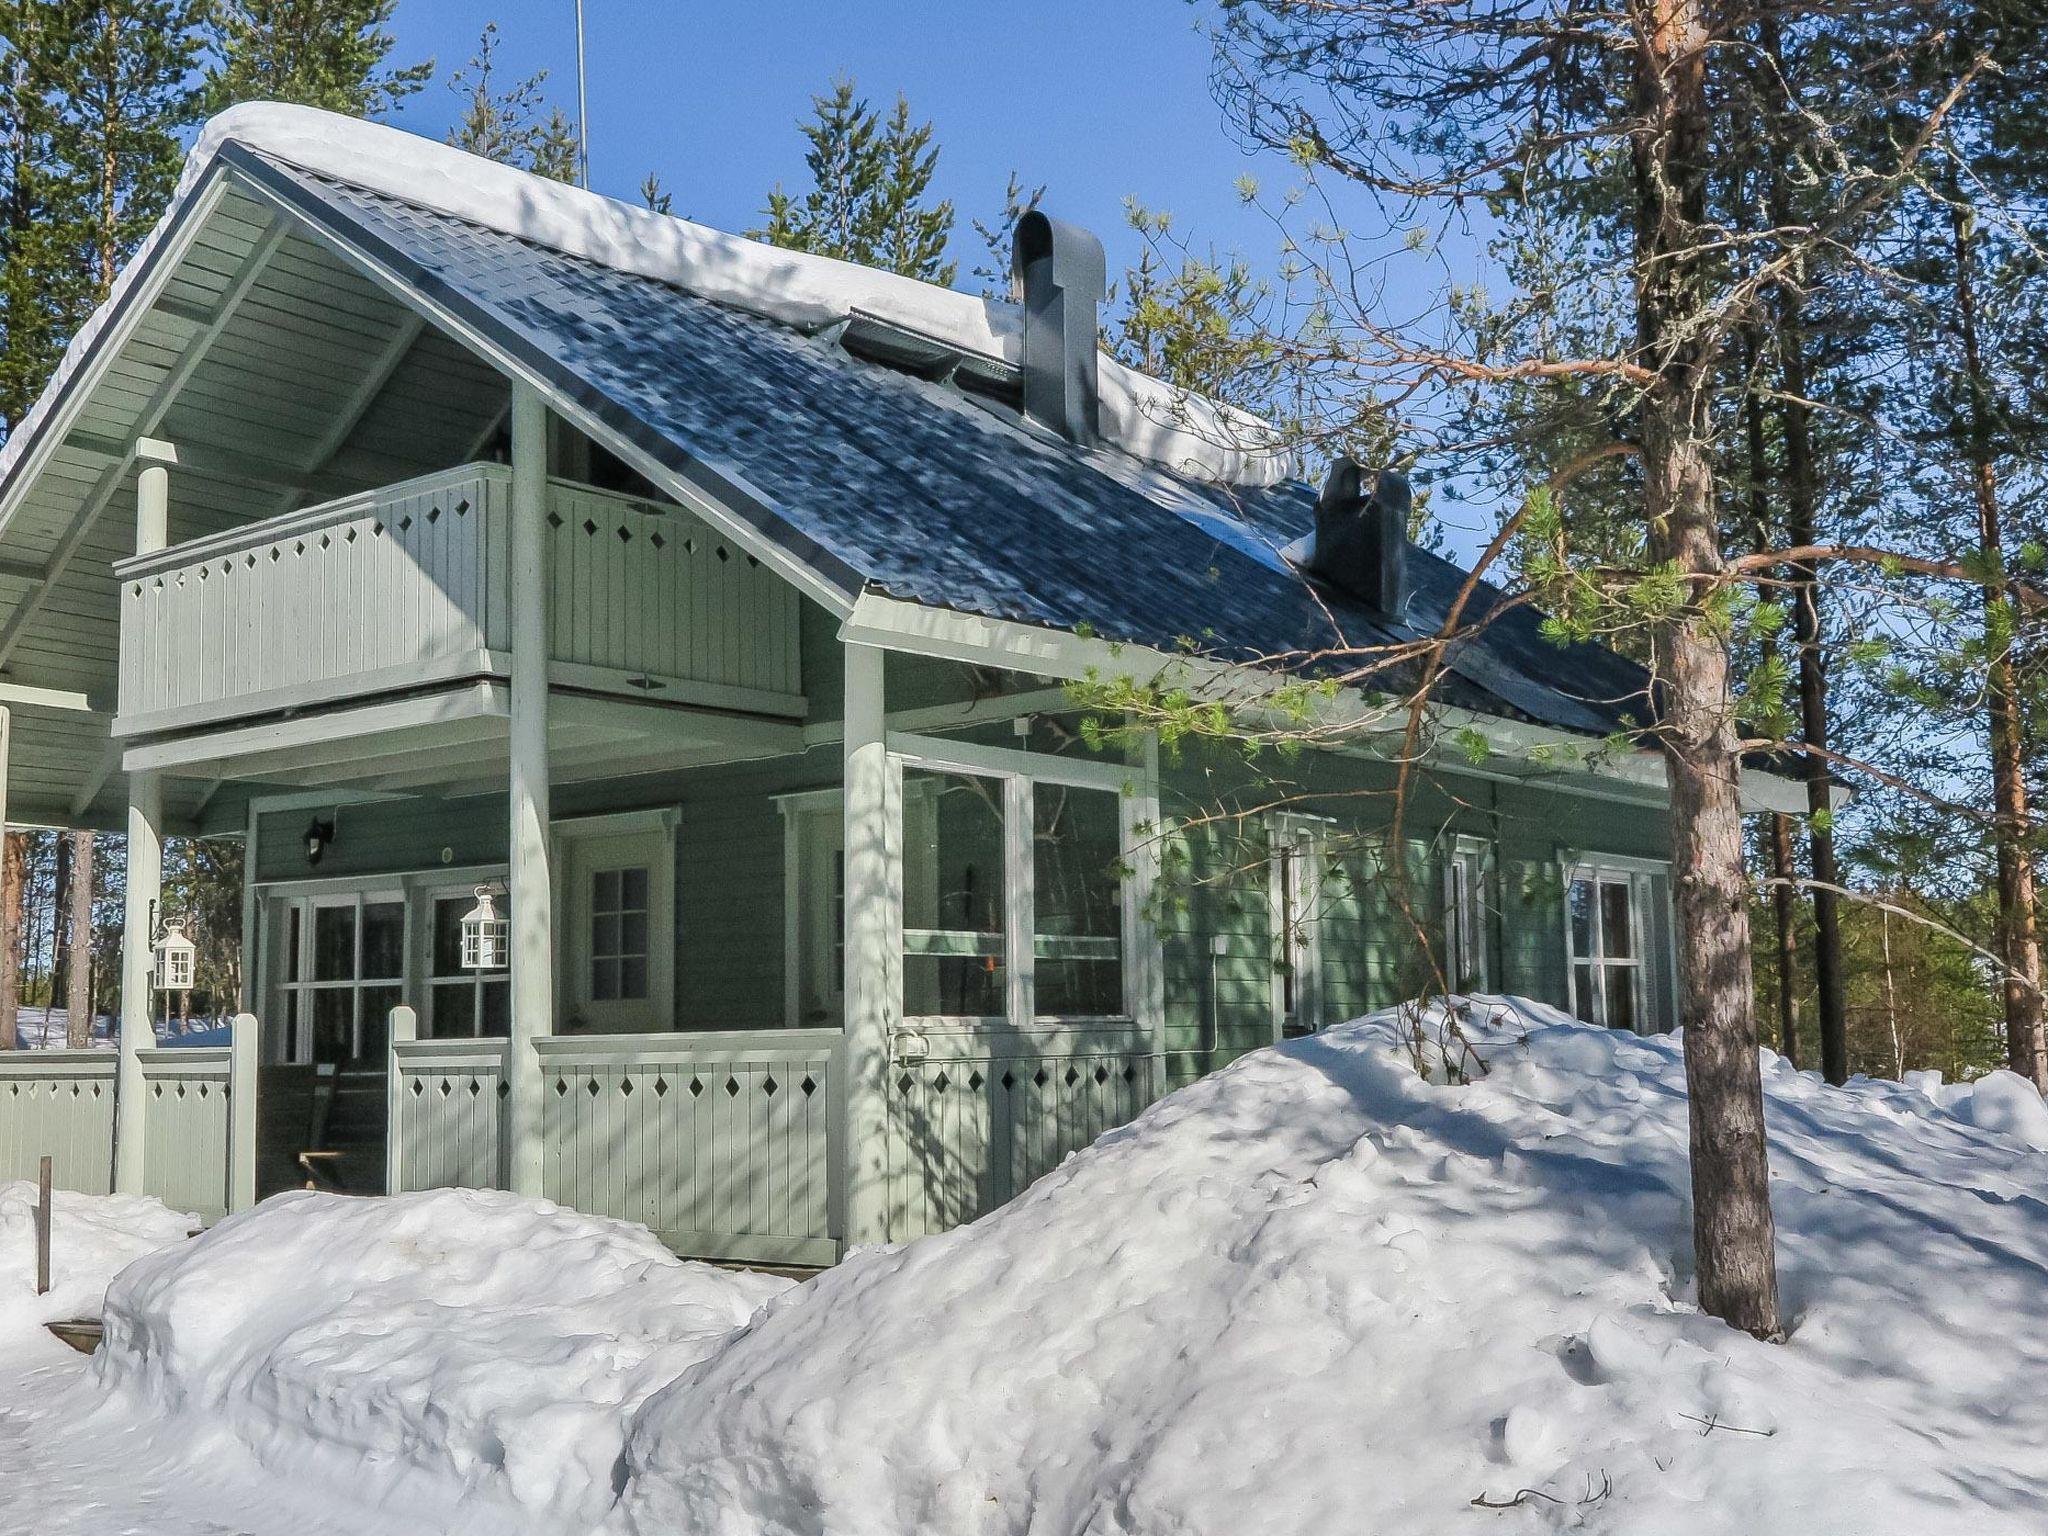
[1141, 415]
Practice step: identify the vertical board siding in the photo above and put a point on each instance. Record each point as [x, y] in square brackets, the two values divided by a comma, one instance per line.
[652, 591]
[411, 581]
[717, 1142]
[449, 1130]
[318, 604]
[987, 1112]
[60, 1105]
[185, 1128]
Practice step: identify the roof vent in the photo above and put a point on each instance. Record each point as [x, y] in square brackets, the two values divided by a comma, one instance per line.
[1063, 275]
[1362, 541]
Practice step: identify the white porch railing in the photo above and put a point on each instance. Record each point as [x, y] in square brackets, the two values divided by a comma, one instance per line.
[725, 1144]
[446, 1126]
[720, 1143]
[409, 585]
[59, 1105]
[976, 1115]
[198, 1121]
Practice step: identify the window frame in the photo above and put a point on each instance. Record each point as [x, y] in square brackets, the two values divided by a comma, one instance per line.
[295, 1037]
[1639, 877]
[1297, 869]
[1469, 912]
[813, 901]
[1018, 774]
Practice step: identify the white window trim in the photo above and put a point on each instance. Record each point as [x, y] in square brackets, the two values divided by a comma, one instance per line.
[1476, 928]
[1640, 873]
[1018, 773]
[1306, 836]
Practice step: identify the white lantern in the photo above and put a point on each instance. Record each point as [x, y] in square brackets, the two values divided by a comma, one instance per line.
[483, 935]
[175, 958]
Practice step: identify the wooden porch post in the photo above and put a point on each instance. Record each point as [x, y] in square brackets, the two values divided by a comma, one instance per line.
[145, 879]
[873, 982]
[533, 924]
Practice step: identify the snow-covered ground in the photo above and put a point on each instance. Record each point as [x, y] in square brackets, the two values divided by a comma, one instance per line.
[1318, 1292]
[38, 1028]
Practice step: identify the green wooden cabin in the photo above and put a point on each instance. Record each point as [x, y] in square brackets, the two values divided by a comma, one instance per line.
[719, 609]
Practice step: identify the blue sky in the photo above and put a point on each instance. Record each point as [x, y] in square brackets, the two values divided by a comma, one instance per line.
[1098, 99]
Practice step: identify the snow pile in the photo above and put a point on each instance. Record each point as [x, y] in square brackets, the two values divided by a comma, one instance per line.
[92, 1239]
[1999, 1101]
[420, 1349]
[1320, 1292]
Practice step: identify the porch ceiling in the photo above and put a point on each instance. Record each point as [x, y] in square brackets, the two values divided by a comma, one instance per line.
[283, 377]
[456, 742]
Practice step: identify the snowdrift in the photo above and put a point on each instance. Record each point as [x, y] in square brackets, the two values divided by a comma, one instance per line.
[1318, 1293]
[417, 1350]
[92, 1239]
[1321, 1291]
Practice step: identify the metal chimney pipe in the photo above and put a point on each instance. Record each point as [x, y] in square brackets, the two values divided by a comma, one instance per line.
[1063, 276]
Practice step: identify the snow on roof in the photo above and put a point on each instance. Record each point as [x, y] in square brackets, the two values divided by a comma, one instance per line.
[1141, 415]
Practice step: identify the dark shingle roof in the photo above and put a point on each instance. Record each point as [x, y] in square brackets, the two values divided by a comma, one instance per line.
[881, 481]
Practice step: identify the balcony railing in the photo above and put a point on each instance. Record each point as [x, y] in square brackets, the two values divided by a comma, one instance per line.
[409, 585]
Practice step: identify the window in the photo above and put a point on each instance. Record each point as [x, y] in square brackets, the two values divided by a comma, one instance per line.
[1014, 893]
[1077, 898]
[463, 1002]
[1467, 925]
[1296, 872]
[1605, 918]
[344, 971]
[954, 948]
[619, 934]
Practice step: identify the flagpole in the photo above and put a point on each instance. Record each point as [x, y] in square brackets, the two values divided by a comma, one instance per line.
[582, 106]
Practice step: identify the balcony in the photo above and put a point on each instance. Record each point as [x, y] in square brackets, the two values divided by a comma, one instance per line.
[391, 609]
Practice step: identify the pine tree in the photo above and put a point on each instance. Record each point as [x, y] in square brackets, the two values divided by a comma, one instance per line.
[997, 281]
[44, 289]
[515, 126]
[318, 53]
[127, 91]
[870, 181]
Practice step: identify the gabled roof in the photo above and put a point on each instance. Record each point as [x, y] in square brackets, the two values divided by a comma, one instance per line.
[748, 378]
[876, 479]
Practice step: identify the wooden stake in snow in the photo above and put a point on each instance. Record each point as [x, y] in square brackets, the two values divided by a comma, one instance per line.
[43, 1228]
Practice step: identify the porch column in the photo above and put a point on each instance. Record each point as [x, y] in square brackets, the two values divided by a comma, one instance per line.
[874, 964]
[533, 922]
[145, 879]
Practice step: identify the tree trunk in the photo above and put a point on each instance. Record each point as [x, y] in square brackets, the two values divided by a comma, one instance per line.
[78, 970]
[60, 907]
[1801, 501]
[1733, 1240]
[1785, 915]
[2018, 921]
[13, 876]
[1784, 868]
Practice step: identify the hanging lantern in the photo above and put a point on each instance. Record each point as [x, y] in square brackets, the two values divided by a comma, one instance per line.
[483, 935]
[175, 958]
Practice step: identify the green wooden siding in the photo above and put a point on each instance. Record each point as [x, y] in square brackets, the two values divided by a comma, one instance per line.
[1216, 915]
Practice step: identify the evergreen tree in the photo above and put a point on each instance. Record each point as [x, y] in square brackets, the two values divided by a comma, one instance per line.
[125, 91]
[44, 289]
[868, 198]
[317, 53]
[997, 281]
[516, 125]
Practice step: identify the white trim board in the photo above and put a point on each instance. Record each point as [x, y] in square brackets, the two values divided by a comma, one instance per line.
[945, 634]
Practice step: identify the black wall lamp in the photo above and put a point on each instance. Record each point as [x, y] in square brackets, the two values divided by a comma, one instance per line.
[318, 835]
